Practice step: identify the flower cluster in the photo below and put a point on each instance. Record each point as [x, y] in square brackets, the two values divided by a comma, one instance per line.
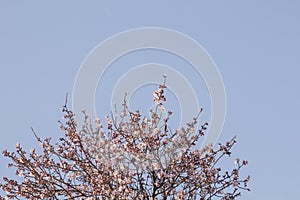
[131, 157]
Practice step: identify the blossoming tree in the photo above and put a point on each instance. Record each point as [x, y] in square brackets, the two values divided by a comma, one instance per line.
[130, 158]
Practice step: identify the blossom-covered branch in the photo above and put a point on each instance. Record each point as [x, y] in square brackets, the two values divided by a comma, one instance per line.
[127, 157]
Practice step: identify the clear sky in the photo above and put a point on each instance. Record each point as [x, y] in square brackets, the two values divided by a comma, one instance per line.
[255, 44]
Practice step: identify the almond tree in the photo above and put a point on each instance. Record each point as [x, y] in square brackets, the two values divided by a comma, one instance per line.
[130, 158]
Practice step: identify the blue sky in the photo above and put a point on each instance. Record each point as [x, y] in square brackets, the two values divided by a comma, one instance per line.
[255, 45]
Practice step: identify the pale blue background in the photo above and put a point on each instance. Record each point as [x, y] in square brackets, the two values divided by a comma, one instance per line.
[255, 45]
